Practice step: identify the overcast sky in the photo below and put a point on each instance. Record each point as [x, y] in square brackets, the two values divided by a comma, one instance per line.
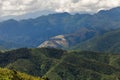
[19, 7]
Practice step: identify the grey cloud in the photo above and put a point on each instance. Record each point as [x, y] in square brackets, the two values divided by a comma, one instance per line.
[19, 7]
[75, 1]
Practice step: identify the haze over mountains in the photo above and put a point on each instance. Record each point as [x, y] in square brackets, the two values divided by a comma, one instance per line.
[26, 16]
[10, 8]
[80, 27]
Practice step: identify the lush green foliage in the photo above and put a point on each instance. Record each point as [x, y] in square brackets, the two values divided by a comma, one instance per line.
[58, 64]
[6, 74]
[85, 66]
[32, 61]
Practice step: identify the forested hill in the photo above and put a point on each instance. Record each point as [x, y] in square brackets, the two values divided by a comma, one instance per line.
[57, 64]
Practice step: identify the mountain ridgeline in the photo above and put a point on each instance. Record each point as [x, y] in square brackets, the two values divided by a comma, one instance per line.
[57, 64]
[33, 32]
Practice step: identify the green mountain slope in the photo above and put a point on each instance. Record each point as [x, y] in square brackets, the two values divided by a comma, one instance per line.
[6, 74]
[85, 66]
[109, 42]
[58, 64]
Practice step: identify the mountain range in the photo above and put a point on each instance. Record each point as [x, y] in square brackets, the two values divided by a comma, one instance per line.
[61, 46]
[76, 28]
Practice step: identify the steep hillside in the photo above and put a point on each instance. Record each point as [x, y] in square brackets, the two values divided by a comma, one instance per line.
[58, 64]
[69, 40]
[32, 32]
[6, 74]
[109, 42]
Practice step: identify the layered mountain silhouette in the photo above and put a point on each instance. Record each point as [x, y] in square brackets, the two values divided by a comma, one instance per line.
[33, 32]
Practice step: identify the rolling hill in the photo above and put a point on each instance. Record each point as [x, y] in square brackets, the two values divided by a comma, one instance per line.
[57, 64]
[31, 61]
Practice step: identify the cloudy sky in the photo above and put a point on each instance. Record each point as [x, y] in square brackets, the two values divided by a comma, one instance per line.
[19, 7]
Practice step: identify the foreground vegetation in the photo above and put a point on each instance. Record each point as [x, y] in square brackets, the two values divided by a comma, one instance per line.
[6, 74]
[57, 64]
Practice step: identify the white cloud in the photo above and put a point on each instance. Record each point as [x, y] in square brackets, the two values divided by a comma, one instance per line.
[19, 7]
